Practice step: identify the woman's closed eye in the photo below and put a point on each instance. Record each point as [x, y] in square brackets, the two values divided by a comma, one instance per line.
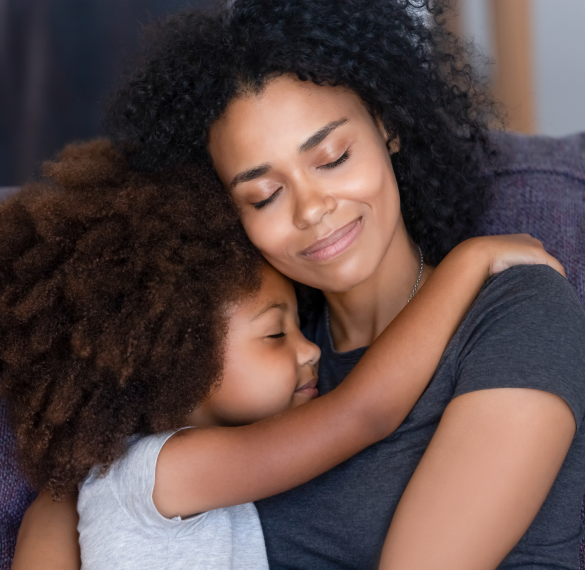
[329, 166]
[337, 162]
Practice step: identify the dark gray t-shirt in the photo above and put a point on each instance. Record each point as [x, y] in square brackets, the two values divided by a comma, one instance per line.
[525, 330]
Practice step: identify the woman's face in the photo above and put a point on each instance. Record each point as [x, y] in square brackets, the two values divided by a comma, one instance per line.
[309, 169]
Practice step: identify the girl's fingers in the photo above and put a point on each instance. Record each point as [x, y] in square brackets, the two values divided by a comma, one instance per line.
[521, 249]
[554, 263]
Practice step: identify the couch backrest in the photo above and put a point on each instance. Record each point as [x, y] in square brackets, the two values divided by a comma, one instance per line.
[539, 188]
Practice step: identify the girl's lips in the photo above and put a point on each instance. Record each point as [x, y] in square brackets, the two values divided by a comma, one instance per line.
[334, 244]
[309, 389]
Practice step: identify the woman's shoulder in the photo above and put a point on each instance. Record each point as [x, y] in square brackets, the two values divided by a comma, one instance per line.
[535, 287]
[525, 330]
[524, 301]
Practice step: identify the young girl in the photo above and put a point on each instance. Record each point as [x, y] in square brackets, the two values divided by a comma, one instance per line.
[133, 307]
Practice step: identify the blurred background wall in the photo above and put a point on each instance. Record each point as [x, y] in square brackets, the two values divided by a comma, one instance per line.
[60, 58]
[538, 48]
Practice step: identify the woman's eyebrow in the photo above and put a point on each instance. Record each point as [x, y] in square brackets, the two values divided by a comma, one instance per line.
[321, 135]
[311, 142]
[251, 174]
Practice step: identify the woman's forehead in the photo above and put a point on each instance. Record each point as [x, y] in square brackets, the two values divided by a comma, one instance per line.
[256, 127]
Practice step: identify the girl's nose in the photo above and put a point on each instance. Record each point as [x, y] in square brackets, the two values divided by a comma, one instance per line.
[308, 352]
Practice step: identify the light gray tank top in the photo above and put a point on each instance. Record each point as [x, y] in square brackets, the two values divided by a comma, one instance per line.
[120, 528]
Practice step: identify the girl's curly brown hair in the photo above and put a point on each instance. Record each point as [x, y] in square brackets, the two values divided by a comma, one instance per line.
[113, 286]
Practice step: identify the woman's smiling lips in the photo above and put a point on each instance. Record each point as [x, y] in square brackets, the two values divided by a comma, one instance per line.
[335, 243]
[309, 389]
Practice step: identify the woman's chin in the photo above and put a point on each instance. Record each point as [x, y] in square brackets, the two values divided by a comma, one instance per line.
[345, 275]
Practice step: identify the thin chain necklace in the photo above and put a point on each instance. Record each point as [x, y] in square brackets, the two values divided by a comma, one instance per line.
[422, 266]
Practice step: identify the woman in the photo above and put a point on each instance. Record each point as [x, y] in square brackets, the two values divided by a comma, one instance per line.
[348, 135]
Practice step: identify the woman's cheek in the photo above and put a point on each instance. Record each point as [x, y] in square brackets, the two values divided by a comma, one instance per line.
[271, 238]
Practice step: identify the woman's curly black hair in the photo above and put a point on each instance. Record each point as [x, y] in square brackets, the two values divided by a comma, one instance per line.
[113, 287]
[404, 66]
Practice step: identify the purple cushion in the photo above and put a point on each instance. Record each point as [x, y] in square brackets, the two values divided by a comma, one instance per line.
[538, 188]
[15, 494]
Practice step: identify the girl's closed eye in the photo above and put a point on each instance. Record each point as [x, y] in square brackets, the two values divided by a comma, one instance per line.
[277, 335]
[262, 203]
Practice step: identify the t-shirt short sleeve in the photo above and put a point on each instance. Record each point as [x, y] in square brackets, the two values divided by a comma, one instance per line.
[131, 480]
[120, 527]
[526, 330]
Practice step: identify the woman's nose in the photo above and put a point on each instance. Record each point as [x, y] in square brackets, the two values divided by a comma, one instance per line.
[311, 205]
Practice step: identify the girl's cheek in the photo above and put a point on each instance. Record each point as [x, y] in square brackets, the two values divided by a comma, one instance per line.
[283, 368]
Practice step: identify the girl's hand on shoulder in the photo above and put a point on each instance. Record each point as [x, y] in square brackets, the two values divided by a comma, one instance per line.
[505, 251]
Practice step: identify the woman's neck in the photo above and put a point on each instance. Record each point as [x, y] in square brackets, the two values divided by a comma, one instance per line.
[358, 316]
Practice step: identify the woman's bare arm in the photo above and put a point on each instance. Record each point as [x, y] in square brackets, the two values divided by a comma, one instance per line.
[501, 441]
[48, 536]
[481, 481]
[203, 469]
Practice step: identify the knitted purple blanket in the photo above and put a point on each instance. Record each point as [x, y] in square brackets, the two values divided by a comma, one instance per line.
[538, 188]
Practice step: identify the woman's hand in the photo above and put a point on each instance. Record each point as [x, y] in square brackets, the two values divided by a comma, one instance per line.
[48, 539]
[503, 252]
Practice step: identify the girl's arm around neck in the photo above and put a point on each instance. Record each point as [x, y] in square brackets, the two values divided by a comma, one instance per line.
[204, 469]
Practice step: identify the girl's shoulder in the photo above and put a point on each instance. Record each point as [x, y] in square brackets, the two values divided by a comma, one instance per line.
[119, 525]
[128, 483]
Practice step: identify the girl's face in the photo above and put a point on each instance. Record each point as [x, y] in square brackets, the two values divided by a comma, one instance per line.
[309, 169]
[270, 366]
